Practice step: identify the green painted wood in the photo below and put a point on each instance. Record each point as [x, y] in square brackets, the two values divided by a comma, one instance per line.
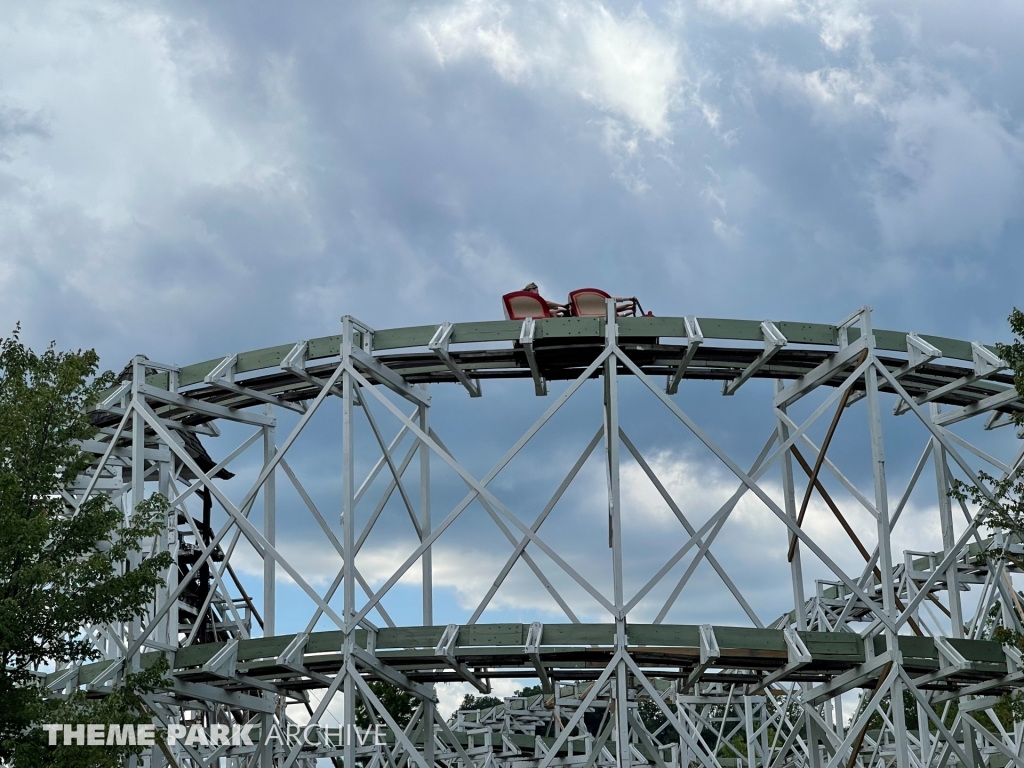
[195, 655]
[674, 635]
[809, 333]
[409, 637]
[569, 327]
[647, 327]
[496, 330]
[980, 650]
[911, 647]
[834, 646]
[195, 373]
[578, 634]
[324, 346]
[263, 647]
[258, 359]
[399, 338]
[325, 642]
[750, 638]
[492, 635]
[722, 328]
[954, 348]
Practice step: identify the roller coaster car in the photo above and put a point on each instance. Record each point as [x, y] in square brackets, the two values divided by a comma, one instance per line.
[520, 305]
[591, 302]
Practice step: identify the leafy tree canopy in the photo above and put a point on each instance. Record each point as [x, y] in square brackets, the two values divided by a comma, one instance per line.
[60, 570]
[400, 704]
[470, 701]
[1002, 507]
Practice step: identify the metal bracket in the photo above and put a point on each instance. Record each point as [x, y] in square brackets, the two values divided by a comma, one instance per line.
[532, 649]
[694, 338]
[224, 663]
[445, 649]
[799, 657]
[796, 648]
[950, 654]
[365, 332]
[526, 340]
[296, 358]
[951, 662]
[985, 364]
[114, 397]
[439, 346]
[843, 329]
[997, 419]
[919, 352]
[773, 342]
[67, 678]
[99, 682]
[446, 645]
[223, 377]
[709, 653]
[295, 363]
[292, 655]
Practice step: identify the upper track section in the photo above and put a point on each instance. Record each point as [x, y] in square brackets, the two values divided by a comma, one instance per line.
[562, 348]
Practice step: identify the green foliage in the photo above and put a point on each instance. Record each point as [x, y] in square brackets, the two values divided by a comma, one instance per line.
[529, 690]
[653, 718]
[875, 722]
[124, 705]
[1013, 354]
[60, 571]
[470, 701]
[400, 704]
[1002, 509]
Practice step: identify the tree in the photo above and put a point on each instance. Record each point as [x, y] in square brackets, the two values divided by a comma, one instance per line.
[400, 704]
[1002, 508]
[529, 690]
[54, 579]
[469, 701]
[1013, 354]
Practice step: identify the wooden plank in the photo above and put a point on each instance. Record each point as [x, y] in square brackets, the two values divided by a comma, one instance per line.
[749, 638]
[195, 655]
[723, 328]
[675, 635]
[497, 330]
[195, 373]
[980, 650]
[409, 637]
[499, 635]
[325, 642]
[324, 346]
[955, 348]
[398, 338]
[671, 327]
[834, 646]
[263, 647]
[578, 634]
[258, 359]
[809, 333]
[570, 327]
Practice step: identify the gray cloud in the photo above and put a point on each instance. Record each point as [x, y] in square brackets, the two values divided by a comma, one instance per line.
[188, 180]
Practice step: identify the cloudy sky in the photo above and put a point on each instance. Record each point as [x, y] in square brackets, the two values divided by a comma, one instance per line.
[187, 180]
